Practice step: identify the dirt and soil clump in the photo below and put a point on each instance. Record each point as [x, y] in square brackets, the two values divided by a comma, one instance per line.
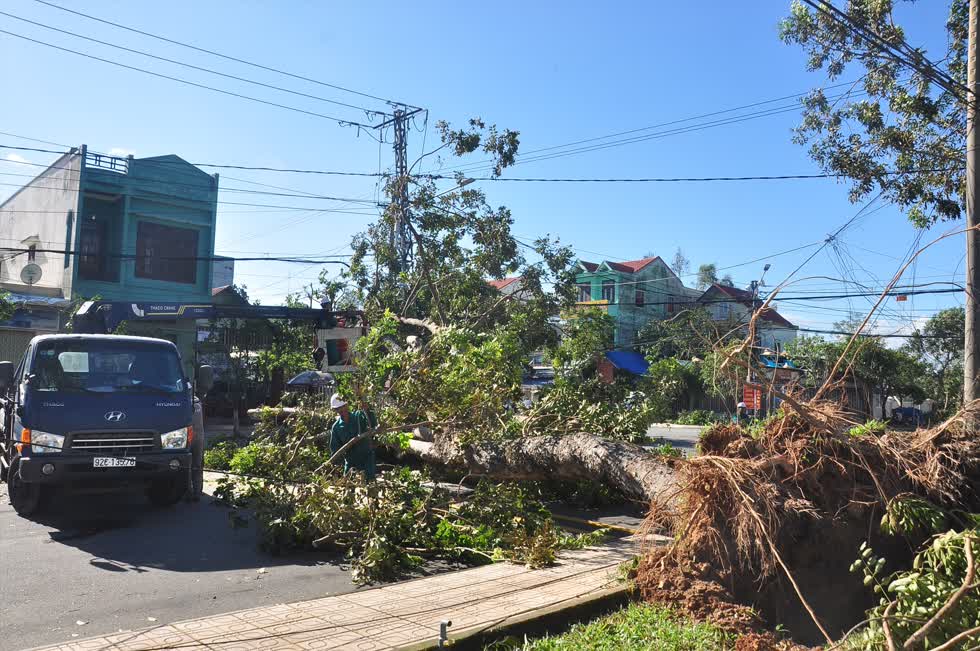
[767, 522]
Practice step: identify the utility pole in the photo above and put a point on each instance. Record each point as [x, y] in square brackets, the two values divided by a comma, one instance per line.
[403, 238]
[971, 348]
[754, 289]
[401, 235]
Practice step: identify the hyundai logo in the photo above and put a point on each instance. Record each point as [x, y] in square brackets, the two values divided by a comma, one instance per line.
[115, 416]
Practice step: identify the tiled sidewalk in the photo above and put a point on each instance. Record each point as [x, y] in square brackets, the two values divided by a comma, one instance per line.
[399, 616]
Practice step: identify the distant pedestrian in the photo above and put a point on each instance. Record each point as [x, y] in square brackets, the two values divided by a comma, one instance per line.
[349, 425]
[741, 416]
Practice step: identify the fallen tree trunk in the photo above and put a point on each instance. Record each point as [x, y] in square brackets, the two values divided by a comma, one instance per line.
[628, 468]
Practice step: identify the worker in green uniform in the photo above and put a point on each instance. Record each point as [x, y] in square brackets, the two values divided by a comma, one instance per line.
[349, 425]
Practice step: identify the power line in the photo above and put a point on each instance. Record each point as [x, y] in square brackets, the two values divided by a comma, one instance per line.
[150, 198]
[333, 260]
[661, 124]
[187, 82]
[223, 56]
[923, 66]
[197, 186]
[194, 67]
[240, 190]
[871, 334]
[214, 165]
[697, 179]
[771, 177]
[191, 258]
[44, 142]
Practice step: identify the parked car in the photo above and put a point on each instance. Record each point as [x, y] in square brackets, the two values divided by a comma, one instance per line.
[96, 411]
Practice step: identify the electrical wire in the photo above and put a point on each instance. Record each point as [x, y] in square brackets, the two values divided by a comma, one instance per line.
[194, 67]
[767, 177]
[340, 121]
[660, 125]
[224, 56]
[191, 258]
[924, 67]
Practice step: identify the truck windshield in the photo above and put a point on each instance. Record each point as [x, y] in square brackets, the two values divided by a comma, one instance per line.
[105, 367]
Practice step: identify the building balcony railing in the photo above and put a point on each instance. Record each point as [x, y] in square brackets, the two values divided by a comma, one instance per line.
[104, 162]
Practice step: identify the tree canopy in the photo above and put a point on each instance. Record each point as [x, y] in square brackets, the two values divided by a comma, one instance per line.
[707, 275]
[893, 130]
[460, 242]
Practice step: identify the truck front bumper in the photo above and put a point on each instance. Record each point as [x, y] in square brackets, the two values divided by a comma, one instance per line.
[72, 468]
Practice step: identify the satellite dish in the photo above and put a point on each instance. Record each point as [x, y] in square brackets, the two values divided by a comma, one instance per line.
[31, 273]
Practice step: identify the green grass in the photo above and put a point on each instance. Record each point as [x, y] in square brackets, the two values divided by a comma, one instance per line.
[639, 626]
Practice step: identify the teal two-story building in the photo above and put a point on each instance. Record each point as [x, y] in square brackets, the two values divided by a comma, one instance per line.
[633, 293]
[128, 229]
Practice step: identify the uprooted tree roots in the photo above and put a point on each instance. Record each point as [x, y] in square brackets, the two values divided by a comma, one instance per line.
[766, 523]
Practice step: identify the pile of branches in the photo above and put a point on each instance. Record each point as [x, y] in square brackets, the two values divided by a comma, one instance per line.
[286, 483]
[784, 505]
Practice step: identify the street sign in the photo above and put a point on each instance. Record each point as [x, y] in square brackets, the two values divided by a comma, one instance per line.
[752, 396]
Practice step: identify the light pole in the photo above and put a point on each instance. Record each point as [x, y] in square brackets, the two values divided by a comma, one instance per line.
[755, 285]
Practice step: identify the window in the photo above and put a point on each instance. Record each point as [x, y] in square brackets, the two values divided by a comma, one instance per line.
[609, 291]
[106, 367]
[584, 293]
[91, 261]
[68, 224]
[723, 310]
[32, 253]
[670, 305]
[640, 297]
[166, 253]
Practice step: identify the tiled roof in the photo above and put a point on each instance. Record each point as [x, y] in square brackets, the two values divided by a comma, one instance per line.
[629, 267]
[217, 290]
[503, 282]
[745, 297]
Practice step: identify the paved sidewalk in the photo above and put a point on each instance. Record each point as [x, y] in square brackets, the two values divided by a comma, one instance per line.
[399, 616]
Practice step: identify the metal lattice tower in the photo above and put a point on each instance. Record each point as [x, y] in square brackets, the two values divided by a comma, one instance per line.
[401, 234]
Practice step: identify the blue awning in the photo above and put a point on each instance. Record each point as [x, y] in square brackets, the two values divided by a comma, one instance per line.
[769, 362]
[34, 299]
[627, 360]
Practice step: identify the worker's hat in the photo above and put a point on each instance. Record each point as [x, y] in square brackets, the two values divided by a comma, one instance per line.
[336, 402]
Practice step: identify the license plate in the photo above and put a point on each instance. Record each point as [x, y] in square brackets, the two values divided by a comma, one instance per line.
[114, 462]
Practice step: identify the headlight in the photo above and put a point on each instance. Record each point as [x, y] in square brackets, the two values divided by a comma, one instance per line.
[176, 439]
[44, 442]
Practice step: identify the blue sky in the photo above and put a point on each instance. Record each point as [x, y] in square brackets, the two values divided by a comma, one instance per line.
[557, 72]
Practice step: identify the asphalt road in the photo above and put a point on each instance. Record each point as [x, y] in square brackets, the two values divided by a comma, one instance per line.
[113, 562]
[683, 437]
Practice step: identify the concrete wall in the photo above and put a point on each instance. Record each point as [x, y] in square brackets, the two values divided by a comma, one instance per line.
[43, 213]
[222, 272]
[724, 309]
[770, 336]
[162, 190]
[660, 288]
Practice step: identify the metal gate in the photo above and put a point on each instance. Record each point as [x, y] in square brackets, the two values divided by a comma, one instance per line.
[13, 343]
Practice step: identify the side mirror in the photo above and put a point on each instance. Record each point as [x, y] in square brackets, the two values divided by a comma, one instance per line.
[6, 375]
[205, 379]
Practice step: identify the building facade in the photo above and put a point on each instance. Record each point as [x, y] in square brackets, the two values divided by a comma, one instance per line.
[128, 229]
[733, 307]
[632, 292]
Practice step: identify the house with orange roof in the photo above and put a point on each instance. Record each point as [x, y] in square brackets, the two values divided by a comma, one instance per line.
[734, 307]
[508, 286]
[633, 292]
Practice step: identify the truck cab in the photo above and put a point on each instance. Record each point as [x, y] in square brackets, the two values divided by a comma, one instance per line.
[97, 412]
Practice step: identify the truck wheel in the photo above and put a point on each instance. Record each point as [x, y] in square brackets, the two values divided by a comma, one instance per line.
[167, 492]
[24, 497]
